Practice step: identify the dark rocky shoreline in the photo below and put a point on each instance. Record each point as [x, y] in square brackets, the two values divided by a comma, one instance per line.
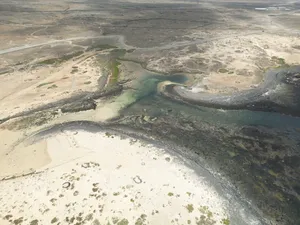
[279, 92]
[261, 162]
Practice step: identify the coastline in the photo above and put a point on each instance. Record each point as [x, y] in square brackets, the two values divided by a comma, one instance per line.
[116, 177]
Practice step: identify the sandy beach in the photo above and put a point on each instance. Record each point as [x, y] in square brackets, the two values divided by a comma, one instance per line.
[101, 178]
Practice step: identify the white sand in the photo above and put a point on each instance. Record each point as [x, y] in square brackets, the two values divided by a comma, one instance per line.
[110, 179]
[29, 89]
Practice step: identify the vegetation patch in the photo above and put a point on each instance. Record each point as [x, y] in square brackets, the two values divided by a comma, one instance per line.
[141, 220]
[107, 134]
[123, 222]
[34, 222]
[115, 220]
[48, 61]
[206, 211]
[60, 59]
[52, 86]
[118, 221]
[100, 47]
[232, 154]
[271, 172]
[96, 222]
[203, 220]
[190, 208]
[54, 220]
[223, 70]
[278, 60]
[44, 84]
[89, 217]
[114, 69]
[18, 221]
[279, 196]
[74, 70]
[225, 221]
[7, 217]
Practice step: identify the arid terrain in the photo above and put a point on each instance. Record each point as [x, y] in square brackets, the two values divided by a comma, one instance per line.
[149, 112]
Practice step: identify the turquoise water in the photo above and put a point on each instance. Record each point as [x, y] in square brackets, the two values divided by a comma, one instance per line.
[147, 90]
